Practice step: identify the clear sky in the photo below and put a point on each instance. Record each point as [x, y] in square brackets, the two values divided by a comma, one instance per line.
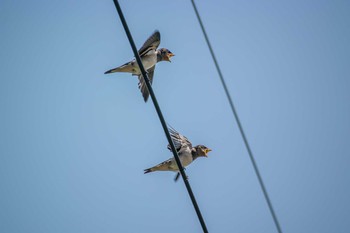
[74, 142]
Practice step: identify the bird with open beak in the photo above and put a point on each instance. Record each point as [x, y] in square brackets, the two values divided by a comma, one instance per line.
[150, 56]
[187, 154]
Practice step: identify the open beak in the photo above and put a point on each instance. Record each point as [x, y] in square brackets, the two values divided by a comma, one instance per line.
[207, 151]
[170, 55]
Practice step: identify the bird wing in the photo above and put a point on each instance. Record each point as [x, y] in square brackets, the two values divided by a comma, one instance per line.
[151, 43]
[179, 140]
[142, 83]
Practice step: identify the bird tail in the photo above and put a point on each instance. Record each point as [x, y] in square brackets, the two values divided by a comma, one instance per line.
[112, 71]
[148, 170]
[127, 67]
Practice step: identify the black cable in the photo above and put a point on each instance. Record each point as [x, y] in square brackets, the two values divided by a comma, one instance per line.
[274, 216]
[161, 118]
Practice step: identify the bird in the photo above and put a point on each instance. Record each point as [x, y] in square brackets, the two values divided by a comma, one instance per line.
[187, 154]
[149, 55]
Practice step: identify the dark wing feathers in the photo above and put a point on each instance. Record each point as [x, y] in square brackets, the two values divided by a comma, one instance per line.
[142, 83]
[151, 43]
[178, 139]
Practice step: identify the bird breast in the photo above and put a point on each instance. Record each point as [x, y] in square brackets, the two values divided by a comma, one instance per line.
[185, 156]
[149, 60]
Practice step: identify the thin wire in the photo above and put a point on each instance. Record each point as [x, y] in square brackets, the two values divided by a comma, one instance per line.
[256, 169]
[161, 118]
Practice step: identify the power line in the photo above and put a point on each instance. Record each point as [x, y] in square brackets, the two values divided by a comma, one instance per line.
[256, 169]
[161, 118]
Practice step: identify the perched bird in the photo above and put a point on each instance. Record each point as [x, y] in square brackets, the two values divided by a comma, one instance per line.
[187, 154]
[149, 55]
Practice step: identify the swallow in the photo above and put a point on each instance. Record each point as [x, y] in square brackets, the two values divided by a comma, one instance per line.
[150, 56]
[187, 154]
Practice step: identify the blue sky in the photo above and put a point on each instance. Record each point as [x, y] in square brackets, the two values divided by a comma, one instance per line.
[74, 142]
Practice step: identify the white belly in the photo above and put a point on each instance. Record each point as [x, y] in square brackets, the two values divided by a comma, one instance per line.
[149, 60]
[185, 158]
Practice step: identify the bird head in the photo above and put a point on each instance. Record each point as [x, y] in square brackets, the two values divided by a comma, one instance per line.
[165, 54]
[202, 150]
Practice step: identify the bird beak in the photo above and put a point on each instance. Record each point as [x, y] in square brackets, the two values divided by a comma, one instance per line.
[207, 151]
[170, 55]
